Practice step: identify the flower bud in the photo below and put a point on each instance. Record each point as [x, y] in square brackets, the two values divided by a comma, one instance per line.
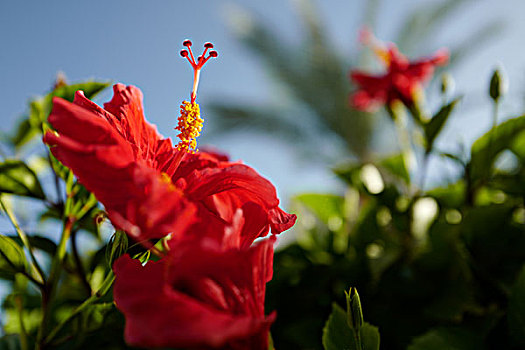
[447, 84]
[354, 313]
[498, 86]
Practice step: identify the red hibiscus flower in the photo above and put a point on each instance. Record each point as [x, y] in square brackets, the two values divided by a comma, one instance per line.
[148, 187]
[401, 82]
[201, 295]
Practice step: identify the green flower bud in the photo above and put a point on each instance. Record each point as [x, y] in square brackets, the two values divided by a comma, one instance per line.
[498, 86]
[354, 313]
[447, 83]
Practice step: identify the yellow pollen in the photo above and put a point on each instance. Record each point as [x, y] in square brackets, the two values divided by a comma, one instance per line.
[190, 126]
[167, 180]
[382, 54]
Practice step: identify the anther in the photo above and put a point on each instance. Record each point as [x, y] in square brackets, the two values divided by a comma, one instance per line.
[190, 122]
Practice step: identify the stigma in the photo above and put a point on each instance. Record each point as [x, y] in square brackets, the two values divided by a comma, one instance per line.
[190, 122]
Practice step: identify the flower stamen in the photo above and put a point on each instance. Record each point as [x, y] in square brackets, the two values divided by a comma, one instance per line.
[197, 64]
[190, 122]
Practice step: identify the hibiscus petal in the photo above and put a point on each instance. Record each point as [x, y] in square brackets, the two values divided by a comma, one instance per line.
[164, 312]
[222, 190]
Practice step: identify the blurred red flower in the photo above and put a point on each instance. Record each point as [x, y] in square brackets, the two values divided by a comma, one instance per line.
[201, 295]
[402, 80]
[148, 187]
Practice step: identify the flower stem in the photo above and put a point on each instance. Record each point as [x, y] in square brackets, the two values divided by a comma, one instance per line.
[23, 332]
[104, 288]
[54, 276]
[78, 262]
[23, 238]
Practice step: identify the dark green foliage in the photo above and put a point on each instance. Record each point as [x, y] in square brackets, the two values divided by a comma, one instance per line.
[80, 274]
[516, 315]
[447, 338]
[31, 125]
[347, 330]
[434, 125]
[17, 178]
[12, 258]
[436, 269]
[336, 333]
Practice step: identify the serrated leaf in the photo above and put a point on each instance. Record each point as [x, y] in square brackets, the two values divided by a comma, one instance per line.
[433, 127]
[516, 310]
[337, 335]
[12, 257]
[17, 178]
[447, 338]
[485, 149]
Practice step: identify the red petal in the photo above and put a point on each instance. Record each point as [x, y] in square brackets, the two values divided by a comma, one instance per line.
[165, 304]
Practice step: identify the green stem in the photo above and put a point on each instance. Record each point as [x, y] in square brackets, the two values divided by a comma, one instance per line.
[423, 170]
[54, 276]
[494, 125]
[78, 262]
[23, 238]
[23, 332]
[400, 120]
[495, 115]
[57, 180]
[104, 288]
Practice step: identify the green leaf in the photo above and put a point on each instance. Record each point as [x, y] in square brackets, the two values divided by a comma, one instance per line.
[369, 337]
[518, 147]
[90, 88]
[433, 127]
[516, 310]
[117, 246]
[451, 196]
[336, 333]
[324, 206]
[39, 242]
[346, 330]
[447, 338]
[485, 149]
[40, 108]
[25, 131]
[12, 257]
[396, 166]
[17, 178]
